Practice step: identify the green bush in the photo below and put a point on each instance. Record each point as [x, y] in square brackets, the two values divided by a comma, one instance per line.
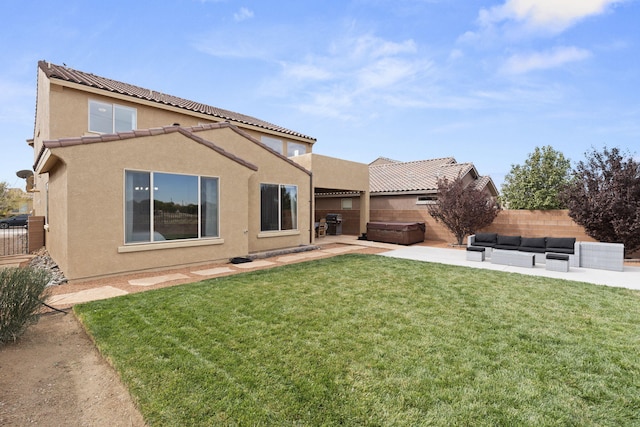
[21, 293]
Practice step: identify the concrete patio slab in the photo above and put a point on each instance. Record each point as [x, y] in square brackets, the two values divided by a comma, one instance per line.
[300, 256]
[213, 271]
[93, 294]
[150, 281]
[629, 278]
[255, 264]
[343, 249]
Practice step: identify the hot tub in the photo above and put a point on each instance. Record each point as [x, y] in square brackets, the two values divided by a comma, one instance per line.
[402, 233]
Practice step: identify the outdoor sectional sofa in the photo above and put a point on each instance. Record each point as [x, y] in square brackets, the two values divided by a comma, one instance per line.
[540, 246]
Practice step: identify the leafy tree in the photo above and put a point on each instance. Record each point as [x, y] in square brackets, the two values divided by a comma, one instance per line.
[538, 183]
[9, 199]
[6, 199]
[604, 197]
[462, 209]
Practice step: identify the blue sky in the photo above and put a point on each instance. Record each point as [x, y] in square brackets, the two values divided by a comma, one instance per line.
[482, 81]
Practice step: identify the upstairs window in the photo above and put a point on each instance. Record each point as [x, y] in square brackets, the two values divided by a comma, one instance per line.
[110, 118]
[295, 149]
[273, 143]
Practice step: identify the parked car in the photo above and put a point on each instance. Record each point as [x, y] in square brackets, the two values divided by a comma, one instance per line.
[14, 221]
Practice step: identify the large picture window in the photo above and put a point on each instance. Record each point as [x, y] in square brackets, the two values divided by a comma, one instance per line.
[110, 118]
[278, 207]
[165, 206]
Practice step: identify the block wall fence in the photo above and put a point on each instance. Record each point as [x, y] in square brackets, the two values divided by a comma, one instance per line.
[554, 223]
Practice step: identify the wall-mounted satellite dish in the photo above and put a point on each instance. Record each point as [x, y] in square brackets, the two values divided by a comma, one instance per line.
[24, 174]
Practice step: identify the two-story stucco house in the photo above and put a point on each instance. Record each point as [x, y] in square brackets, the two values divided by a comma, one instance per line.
[129, 179]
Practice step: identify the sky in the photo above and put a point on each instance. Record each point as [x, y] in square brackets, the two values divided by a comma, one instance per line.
[481, 81]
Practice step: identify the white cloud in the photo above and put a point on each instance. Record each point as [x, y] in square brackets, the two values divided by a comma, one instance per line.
[306, 72]
[547, 15]
[523, 63]
[455, 54]
[386, 72]
[368, 46]
[356, 73]
[243, 14]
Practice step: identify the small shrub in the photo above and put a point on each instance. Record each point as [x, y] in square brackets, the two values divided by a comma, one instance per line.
[21, 293]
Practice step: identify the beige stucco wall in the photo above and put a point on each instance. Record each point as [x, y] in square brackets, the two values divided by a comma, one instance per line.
[337, 175]
[272, 169]
[70, 113]
[86, 230]
[333, 173]
[56, 238]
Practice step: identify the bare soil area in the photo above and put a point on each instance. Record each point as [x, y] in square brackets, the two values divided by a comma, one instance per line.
[54, 375]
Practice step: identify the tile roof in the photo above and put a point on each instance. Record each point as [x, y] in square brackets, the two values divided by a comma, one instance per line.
[406, 176]
[189, 132]
[421, 175]
[59, 72]
[383, 161]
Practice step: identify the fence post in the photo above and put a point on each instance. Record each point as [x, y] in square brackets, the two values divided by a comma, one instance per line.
[35, 238]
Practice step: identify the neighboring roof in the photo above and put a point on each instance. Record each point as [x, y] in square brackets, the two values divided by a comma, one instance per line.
[420, 176]
[406, 176]
[383, 161]
[189, 132]
[59, 72]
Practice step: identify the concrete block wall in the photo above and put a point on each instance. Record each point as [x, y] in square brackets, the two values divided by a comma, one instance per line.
[555, 223]
[511, 222]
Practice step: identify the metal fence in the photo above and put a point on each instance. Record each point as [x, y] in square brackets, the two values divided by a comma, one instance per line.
[13, 241]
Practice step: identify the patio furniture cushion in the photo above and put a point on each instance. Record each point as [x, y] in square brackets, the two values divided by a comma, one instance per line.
[559, 257]
[475, 248]
[508, 242]
[533, 244]
[562, 245]
[488, 240]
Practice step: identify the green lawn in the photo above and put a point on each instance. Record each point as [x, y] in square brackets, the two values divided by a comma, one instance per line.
[370, 340]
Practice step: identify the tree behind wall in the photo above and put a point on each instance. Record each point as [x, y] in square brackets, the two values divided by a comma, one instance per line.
[462, 209]
[604, 197]
[538, 183]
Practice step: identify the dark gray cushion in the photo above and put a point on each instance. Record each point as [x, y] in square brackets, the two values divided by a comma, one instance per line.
[486, 237]
[533, 244]
[562, 245]
[508, 242]
[559, 257]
